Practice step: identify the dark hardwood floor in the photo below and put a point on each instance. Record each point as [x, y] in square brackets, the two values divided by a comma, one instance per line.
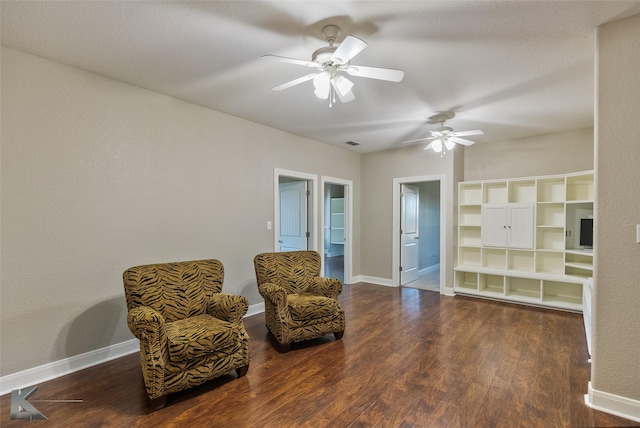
[409, 358]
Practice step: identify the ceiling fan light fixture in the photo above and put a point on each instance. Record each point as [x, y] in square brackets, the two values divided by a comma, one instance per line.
[342, 84]
[322, 84]
[449, 144]
[436, 145]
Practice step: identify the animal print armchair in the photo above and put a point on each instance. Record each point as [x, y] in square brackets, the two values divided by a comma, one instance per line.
[189, 331]
[299, 304]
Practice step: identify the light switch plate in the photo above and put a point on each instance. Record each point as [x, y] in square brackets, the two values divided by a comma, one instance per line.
[637, 233]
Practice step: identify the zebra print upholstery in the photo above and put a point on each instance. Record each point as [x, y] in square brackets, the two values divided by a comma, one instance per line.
[189, 331]
[299, 304]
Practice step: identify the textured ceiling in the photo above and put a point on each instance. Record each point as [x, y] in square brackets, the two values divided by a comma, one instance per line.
[512, 69]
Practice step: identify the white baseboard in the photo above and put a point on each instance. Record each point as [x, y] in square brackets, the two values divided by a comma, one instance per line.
[616, 405]
[429, 269]
[66, 366]
[69, 365]
[258, 308]
[374, 280]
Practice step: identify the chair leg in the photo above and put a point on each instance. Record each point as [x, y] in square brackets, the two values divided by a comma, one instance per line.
[283, 348]
[338, 334]
[159, 403]
[241, 371]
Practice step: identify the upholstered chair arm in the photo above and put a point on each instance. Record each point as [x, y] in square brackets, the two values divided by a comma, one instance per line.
[327, 287]
[228, 307]
[148, 326]
[274, 293]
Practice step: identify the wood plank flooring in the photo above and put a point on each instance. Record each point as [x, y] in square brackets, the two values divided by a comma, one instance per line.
[409, 358]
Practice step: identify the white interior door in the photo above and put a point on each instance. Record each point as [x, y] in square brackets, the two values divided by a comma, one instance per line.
[409, 233]
[293, 216]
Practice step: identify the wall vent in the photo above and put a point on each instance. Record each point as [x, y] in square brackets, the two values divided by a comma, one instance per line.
[352, 143]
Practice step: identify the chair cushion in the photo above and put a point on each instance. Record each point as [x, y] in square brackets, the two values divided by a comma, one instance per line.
[197, 336]
[308, 306]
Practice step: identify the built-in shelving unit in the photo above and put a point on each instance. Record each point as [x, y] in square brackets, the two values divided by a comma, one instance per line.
[539, 261]
[336, 232]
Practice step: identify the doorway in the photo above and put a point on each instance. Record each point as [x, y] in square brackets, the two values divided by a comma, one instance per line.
[418, 233]
[295, 198]
[336, 215]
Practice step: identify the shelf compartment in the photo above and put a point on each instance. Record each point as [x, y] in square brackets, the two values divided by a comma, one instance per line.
[493, 284]
[470, 215]
[495, 193]
[564, 294]
[523, 287]
[521, 260]
[466, 280]
[470, 236]
[522, 191]
[550, 214]
[580, 188]
[550, 262]
[551, 189]
[550, 238]
[469, 256]
[470, 193]
[494, 258]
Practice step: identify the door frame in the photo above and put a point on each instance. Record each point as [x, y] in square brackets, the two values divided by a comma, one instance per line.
[348, 222]
[312, 220]
[446, 222]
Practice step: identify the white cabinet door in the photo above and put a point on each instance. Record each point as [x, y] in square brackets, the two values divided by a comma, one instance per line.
[520, 226]
[507, 225]
[493, 231]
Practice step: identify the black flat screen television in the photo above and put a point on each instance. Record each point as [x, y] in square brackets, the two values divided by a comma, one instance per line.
[586, 232]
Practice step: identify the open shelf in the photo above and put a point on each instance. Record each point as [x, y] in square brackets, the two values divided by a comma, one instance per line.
[495, 193]
[551, 189]
[470, 215]
[522, 191]
[470, 193]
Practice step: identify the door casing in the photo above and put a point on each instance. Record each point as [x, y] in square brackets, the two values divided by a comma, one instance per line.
[348, 214]
[312, 221]
[445, 222]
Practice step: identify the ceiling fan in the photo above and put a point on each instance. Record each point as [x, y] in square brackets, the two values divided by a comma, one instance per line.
[331, 61]
[445, 138]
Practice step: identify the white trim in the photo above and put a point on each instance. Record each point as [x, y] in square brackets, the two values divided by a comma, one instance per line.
[445, 224]
[258, 308]
[616, 405]
[348, 244]
[312, 243]
[76, 363]
[374, 280]
[66, 366]
[429, 269]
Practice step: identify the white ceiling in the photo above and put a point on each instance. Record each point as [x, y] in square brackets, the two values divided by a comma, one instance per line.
[512, 69]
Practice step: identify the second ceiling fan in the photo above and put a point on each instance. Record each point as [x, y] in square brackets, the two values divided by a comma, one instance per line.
[445, 138]
[330, 62]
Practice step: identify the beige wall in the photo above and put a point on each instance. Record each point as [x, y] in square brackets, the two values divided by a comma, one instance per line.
[616, 344]
[557, 153]
[98, 176]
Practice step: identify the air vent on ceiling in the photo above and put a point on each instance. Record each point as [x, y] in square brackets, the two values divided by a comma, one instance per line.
[352, 143]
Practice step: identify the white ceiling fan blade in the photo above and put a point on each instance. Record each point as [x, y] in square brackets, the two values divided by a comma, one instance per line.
[466, 133]
[417, 139]
[350, 47]
[462, 141]
[376, 73]
[295, 82]
[290, 60]
[342, 85]
[321, 82]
